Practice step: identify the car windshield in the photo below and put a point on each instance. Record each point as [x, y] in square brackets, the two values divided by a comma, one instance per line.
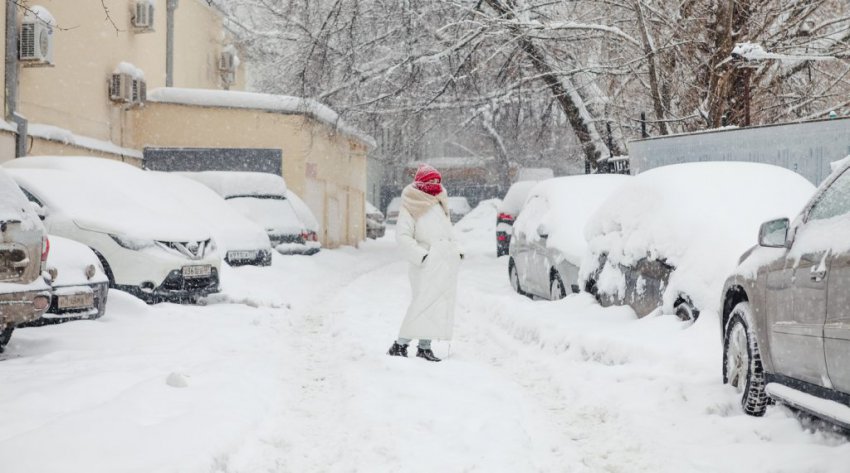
[273, 212]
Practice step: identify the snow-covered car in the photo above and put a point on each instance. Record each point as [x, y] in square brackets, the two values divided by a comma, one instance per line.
[375, 226]
[147, 245]
[458, 208]
[308, 220]
[785, 310]
[507, 213]
[241, 240]
[24, 248]
[669, 238]
[548, 242]
[262, 197]
[392, 210]
[79, 285]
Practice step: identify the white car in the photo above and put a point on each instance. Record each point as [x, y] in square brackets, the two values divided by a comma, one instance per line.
[146, 245]
[262, 197]
[548, 244]
[241, 240]
[79, 285]
[669, 238]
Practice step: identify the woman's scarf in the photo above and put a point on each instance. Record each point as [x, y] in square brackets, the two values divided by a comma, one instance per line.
[417, 202]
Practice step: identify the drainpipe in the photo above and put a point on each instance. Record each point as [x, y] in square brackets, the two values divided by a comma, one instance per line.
[171, 5]
[11, 78]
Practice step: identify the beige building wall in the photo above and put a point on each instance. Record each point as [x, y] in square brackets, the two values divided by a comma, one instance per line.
[327, 169]
[87, 48]
[7, 137]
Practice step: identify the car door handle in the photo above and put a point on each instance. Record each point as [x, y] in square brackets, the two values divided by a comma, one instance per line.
[817, 274]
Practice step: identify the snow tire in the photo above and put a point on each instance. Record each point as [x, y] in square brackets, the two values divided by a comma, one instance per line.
[742, 366]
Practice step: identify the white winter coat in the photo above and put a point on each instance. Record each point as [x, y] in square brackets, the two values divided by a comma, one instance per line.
[434, 282]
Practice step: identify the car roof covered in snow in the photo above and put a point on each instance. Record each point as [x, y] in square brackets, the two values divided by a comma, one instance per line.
[459, 204]
[229, 184]
[515, 197]
[564, 205]
[698, 217]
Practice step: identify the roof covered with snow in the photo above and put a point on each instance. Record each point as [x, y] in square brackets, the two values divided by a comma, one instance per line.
[257, 101]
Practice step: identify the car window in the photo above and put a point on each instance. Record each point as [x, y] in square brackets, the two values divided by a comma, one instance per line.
[530, 216]
[31, 197]
[834, 201]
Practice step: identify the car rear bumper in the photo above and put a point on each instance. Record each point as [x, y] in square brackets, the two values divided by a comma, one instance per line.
[18, 308]
[503, 243]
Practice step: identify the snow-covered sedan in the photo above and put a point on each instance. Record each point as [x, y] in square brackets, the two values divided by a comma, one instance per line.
[262, 197]
[147, 248]
[508, 210]
[24, 248]
[375, 225]
[78, 282]
[669, 237]
[548, 243]
[241, 240]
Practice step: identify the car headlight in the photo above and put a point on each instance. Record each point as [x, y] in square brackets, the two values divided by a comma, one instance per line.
[132, 243]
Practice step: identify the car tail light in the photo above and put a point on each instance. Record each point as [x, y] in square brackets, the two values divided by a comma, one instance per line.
[45, 248]
[502, 237]
[506, 217]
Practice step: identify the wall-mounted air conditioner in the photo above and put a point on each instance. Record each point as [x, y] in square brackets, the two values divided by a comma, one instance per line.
[35, 45]
[140, 91]
[142, 15]
[121, 88]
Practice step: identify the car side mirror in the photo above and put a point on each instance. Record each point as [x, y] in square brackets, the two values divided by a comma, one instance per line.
[774, 234]
[39, 210]
[543, 230]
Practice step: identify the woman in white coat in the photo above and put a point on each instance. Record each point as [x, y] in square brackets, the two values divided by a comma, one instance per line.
[425, 236]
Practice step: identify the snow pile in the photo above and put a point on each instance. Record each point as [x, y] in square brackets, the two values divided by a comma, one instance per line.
[565, 205]
[238, 183]
[698, 217]
[840, 164]
[251, 100]
[130, 70]
[476, 231]
[516, 196]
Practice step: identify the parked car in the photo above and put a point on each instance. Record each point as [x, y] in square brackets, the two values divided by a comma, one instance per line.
[24, 248]
[262, 197]
[507, 213]
[241, 240]
[78, 282]
[393, 209]
[785, 322]
[458, 208]
[548, 241]
[146, 247]
[375, 226]
[669, 237]
[308, 220]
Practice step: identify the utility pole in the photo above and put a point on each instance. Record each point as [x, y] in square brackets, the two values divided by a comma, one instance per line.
[171, 6]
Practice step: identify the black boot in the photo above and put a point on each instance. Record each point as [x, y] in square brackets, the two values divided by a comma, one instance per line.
[398, 350]
[427, 354]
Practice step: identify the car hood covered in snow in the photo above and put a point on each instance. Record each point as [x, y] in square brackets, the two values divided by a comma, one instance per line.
[698, 217]
[70, 259]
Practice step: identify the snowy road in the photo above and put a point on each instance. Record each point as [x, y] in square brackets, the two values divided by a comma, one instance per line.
[286, 372]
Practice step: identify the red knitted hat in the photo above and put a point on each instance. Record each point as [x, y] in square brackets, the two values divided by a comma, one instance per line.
[425, 173]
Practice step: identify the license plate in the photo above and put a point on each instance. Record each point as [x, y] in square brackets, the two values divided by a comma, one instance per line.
[199, 271]
[76, 301]
[242, 255]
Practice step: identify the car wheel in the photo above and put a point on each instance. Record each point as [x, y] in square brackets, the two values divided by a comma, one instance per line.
[513, 275]
[5, 336]
[556, 287]
[742, 368]
[685, 310]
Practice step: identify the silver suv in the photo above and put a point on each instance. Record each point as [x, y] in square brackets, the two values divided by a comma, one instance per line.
[786, 313]
[24, 294]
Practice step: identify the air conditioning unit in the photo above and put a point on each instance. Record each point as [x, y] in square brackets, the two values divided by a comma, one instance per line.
[121, 88]
[227, 64]
[140, 92]
[143, 16]
[35, 45]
